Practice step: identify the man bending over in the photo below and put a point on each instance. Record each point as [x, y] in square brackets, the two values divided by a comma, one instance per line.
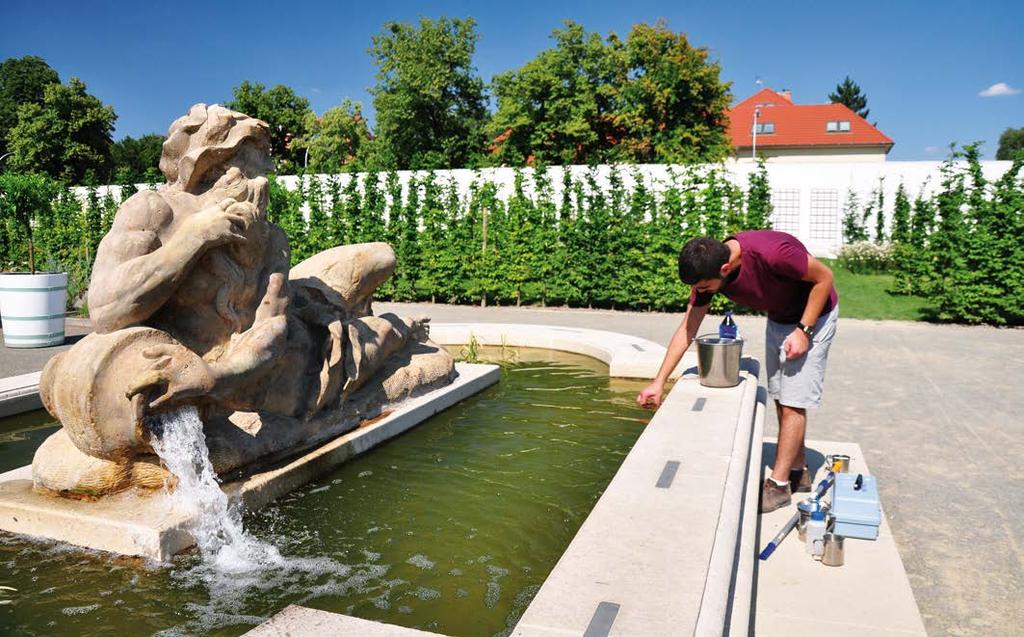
[771, 272]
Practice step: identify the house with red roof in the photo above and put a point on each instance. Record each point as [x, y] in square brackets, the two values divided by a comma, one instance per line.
[768, 123]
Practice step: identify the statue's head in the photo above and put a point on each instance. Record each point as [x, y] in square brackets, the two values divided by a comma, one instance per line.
[203, 145]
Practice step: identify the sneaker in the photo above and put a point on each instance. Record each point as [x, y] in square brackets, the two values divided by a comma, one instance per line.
[802, 480]
[774, 497]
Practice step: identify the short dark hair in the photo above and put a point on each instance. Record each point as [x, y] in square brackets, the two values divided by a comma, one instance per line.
[702, 258]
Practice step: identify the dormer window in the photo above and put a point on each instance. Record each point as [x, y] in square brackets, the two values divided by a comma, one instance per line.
[764, 128]
[838, 126]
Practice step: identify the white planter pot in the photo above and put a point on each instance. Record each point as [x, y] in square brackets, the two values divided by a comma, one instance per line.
[32, 308]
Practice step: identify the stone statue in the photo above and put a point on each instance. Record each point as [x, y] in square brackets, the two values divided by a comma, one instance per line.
[194, 303]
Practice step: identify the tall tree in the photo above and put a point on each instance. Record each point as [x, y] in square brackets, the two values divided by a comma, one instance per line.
[848, 92]
[901, 216]
[25, 204]
[67, 137]
[334, 140]
[1010, 143]
[22, 81]
[429, 100]
[558, 107]
[652, 98]
[853, 223]
[137, 160]
[286, 113]
[759, 199]
[672, 105]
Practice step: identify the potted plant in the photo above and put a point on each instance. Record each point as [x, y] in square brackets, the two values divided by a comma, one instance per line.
[32, 303]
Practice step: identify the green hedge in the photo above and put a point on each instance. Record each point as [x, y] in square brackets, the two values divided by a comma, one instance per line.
[596, 244]
[963, 249]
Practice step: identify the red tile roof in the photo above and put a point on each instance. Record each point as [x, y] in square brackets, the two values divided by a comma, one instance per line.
[799, 124]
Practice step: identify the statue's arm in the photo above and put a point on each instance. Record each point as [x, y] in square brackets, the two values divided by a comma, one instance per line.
[235, 378]
[136, 272]
[256, 351]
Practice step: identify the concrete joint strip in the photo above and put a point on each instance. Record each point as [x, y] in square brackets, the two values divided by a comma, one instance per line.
[626, 356]
[668, 474]
[604, 618]
[713, 616]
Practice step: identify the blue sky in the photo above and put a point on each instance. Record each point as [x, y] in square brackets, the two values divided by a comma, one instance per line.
[922, 64]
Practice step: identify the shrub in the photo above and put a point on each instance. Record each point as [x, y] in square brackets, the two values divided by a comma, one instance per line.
[853, 222]
[865, 257]
[963, 248]
[25, 203]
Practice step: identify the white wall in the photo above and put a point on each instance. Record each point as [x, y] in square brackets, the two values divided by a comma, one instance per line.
[808, 196]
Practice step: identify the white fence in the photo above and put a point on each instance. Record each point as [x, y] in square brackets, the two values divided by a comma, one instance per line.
[808, 198]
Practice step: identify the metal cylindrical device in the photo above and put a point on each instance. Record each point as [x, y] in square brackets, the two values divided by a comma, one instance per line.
[833, 555]
[718, 360]
[805, 508]
[840, 462]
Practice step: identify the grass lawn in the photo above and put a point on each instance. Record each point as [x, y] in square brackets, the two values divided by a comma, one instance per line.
[864, 296]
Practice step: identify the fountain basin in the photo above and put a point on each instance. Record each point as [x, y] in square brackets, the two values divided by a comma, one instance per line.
[152, 526]
[450, 527]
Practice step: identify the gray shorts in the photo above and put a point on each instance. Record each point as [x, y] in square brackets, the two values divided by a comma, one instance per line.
[798, 383]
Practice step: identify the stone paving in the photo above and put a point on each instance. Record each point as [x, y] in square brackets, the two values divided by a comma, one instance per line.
[15, 362]
[938, 413]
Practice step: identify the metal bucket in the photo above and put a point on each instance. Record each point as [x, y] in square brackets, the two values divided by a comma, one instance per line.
[718, 360]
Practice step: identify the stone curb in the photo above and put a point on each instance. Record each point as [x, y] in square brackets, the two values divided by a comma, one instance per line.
[626, 356]
[19, 394]
[724, 576]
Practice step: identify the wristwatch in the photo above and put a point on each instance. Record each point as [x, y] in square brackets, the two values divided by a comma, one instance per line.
[806, 329]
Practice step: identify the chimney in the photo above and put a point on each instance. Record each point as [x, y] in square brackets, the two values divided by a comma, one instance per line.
[788, 94]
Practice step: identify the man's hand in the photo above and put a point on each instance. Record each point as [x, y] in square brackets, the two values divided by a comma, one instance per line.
[796, 344]
[225, 222]
[650, 396]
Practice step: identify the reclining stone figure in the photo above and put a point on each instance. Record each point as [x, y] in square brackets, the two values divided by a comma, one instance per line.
[194, 303]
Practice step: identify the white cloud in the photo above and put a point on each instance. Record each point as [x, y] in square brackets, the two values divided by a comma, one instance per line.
[999, 89]
[931, 150]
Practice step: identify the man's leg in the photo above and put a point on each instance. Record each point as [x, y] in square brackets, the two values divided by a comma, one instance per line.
[790, 450]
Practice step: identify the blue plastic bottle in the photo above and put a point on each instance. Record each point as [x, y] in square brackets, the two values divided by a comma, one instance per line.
[727, 329]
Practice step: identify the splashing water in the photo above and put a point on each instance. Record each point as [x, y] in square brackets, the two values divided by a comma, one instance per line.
[217, 526]
[232, 562]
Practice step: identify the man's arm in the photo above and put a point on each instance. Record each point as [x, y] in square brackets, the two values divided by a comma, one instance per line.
[681, 340]
[818, 273]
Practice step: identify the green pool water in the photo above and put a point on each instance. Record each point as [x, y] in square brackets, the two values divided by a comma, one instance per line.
[451, 527]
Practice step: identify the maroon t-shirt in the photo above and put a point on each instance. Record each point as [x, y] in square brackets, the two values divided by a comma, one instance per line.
[772, 265]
